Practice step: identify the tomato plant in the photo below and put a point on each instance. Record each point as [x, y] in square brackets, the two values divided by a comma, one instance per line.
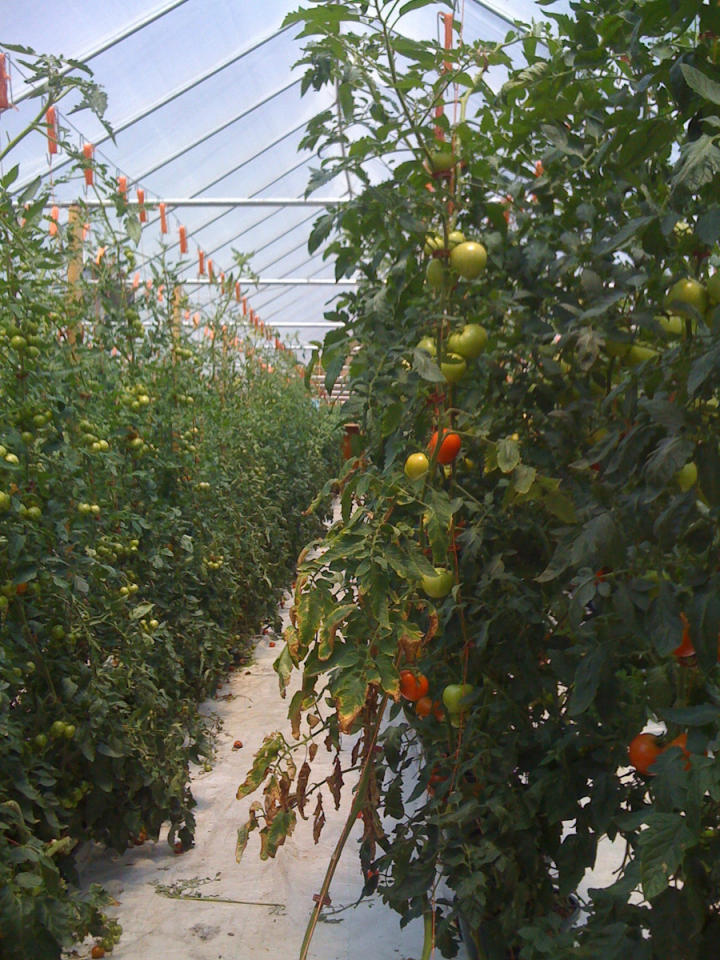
[587, 157]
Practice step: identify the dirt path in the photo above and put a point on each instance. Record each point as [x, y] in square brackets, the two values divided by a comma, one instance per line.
[261, 909]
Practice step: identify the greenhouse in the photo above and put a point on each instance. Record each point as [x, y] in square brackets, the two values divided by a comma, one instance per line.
[360, 480]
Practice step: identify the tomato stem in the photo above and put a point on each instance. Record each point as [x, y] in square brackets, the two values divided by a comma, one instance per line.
[349, 823]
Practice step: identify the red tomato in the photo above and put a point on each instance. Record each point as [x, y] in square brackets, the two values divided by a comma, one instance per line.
[644, 751]
[424, 706]
[681, 741]
[413, 687]
[449, 448]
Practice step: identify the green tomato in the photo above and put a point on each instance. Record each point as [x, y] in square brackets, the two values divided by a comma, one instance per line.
[687, 291]
[713, 288]
[453, 696]
[428, 345]
[5, 500]
[57, 729]
[638, 354]
[435, 274]
[439, 585]
[41, 740]
[442, 160]
[454, 367]
[69, 731]
[468, 342]
[672, 324]
[686, 477]
[12, 458]
[468, 259]
[433, 242]
[57, 631]
[34, 513]
[455, 237]
[416, 466]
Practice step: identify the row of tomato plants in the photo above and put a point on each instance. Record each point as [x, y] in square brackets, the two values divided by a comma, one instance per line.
[524, 579]
[152, 488]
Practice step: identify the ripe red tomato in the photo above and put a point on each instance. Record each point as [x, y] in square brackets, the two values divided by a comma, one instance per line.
[423, 706]
[681, 741]
[644, 751]
[413, 687]
[449, 448]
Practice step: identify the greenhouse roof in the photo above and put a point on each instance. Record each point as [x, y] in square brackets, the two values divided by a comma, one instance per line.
[208, 116]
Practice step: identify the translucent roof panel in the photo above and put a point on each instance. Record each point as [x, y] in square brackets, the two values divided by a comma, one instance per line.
[206, 105]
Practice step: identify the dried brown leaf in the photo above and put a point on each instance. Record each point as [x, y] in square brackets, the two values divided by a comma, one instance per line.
[318, 818]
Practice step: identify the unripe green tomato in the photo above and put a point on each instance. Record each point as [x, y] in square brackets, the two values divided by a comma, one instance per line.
[416, 466]
[428, 345]
[439, 585]
[154, 624]
[713, 288]
[453, 696]
[39, 420]
[687, 291]
[34, 513]
[95, 509]
[468, 342]
[455, 237]
[57, 729]
[41, 740]
[468, 259]
[12, 458]
[453, 367]
[686, 477]
[27, 437]
[442, 160]
[18, 343]
[5, 501]
[4, 603]
[57, 631]
[638, 354]
[69, 731]
[435, 274]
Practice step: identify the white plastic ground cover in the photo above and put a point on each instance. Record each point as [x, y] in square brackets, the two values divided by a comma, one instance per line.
[202, 905]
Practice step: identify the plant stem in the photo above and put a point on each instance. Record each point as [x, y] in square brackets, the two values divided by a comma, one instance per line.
[342, 840]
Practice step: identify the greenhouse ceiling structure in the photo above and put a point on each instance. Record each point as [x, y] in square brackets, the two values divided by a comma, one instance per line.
[207, 114]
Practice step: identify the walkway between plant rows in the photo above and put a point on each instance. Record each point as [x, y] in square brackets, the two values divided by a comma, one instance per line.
[202, 905]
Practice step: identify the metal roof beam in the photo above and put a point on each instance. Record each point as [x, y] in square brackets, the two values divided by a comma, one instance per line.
[213, 202]
[164, 101]
[277, 282]
[223, 126]
[496, 9]
[112, 41]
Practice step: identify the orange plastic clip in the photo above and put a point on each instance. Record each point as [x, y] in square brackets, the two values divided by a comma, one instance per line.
[201, 262]
[4, 78]
[122, 185]
[51, 119]
[183, 240]
[142, 212]
[88, 151]
[163, 218]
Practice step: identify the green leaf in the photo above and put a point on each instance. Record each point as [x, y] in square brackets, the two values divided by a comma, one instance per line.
[662, 850]
[700, 83]
[262, 761]
[523, 478]
[508, 454]
[587, 680]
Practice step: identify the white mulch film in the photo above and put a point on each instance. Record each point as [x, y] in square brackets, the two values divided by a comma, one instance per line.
[260, 909]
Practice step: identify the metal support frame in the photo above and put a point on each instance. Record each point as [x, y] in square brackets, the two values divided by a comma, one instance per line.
[276, 282]
[211, 202]
[164, 101]
[223, 126]
[112, 41]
